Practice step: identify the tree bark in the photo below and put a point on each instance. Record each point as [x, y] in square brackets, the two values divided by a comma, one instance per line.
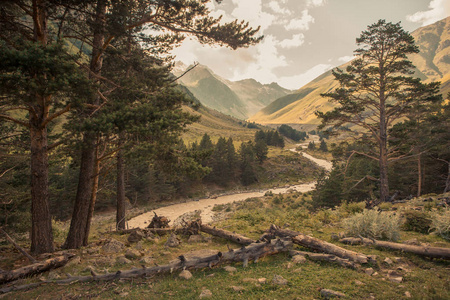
[35, 268]
[228, 235]
[319, 245]
[326, 257]
[93, 195]
[419, 175]
[433, 252]
[121, 204]
[78, 226]
[41, 222]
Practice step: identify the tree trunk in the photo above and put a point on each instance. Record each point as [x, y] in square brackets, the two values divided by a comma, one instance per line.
[121, 203]
[447, 182]
[234, 237]
[41, 222]
[78, 226]
[93, 196]
[419, 175]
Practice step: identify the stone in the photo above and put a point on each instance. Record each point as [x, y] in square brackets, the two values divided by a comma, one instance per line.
[136, 236]
[196, 238]
[53, 276]
[139, 246]
[102, 261]
[252, 280]
[327, 294]
[237, 288]
[299, 259]
[357, 282]
[113, 246]
[394, 276]
[262, 280]
[388, 261]
[132, 254]
[299, 270]
[146, 261]
[185, 274]
[369, 271]
[407, 294]
[205, 294]
[230, 269]
[279, 280]
[413, 242]
[124, 294]
[123, 260]
[172, 241]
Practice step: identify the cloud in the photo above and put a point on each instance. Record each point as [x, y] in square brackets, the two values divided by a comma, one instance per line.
[297, 81]
[302, 23]
[314, 3]
[296, 41]
[275, 7]
[345, 59]
[438, 9]
[251, 11]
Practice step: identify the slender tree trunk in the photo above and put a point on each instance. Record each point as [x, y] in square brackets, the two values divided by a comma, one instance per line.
[93, 196]
[121, 204]
[77, 233]
[419, 175]
[41, 222]
[383, 161]
[447, 182]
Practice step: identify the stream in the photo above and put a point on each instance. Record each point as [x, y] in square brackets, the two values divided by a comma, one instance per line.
[206, 205]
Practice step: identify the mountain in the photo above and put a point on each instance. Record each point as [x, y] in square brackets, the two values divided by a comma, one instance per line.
[432, 64]
[240, 99]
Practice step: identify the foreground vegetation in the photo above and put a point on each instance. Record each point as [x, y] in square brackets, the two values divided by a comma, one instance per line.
[421, 278]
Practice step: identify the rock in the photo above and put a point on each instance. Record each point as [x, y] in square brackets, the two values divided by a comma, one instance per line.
[139, 246]
[172, 241]
[407, 294]
[298, 259]
[262, 280]
[152, 240]
[237, 288]
[76, 260]
[53, 276]
[92, 250]
[299, 270]
[123, 260]
[205, 294]
[185, 274]
[252, 280]
[369, 271]
[357, 282]
[211, 275]
[230, 269]
[113, 246]
[394, 276]
[136, 236]
[279, 280]
[132, 254]
[196, 238]
[124, 294]
[102, 261]
[146, 261]
[388, 261]
[326, 293]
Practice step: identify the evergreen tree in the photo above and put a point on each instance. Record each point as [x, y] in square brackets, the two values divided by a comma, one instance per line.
[377, 90]
[247, 161]
[232, 161]
[323, 146]
[311, 146]
[261, 151]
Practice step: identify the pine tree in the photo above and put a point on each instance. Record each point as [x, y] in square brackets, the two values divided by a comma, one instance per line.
[377, 90]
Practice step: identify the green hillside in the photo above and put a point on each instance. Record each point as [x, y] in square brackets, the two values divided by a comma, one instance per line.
[433, 64]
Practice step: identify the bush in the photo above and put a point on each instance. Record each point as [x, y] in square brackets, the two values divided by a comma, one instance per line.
[373, 224]
[353, 207]
[417, 221]
[441, 223]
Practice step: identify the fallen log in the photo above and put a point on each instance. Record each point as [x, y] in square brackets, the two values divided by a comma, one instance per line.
[228, 235]
[318, 245]
[35, 268]
[326, 257]
[253, 252]
[432, 252]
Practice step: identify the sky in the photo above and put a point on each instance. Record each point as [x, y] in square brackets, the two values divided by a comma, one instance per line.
[302, 38]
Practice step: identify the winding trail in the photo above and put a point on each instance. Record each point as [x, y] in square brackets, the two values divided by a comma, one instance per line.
[205, 205]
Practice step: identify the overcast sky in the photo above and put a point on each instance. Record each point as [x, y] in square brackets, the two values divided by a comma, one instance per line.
[303, 38]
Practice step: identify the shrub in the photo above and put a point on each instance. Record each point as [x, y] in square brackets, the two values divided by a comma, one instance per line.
[417, 221]
[441, 223]
[353, 207]
[373, 224]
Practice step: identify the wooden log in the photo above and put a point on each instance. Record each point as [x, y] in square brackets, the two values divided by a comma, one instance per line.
[319, 245]
[228, 235]
[20, 249]
[251, 252]
[158, 231]
[35, 268]
[432, 252]
[326, 257]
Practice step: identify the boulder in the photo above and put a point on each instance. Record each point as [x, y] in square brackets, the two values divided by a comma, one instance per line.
[113, 246]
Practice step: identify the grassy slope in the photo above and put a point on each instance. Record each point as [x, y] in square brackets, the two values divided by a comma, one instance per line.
[433, 64]
[422, 278]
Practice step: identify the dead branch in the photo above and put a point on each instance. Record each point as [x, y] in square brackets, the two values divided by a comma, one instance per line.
[433, 252]
[30, 258]
[325, 257]
[228, 235]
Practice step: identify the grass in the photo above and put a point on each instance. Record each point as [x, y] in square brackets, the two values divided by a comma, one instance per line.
[426, 278]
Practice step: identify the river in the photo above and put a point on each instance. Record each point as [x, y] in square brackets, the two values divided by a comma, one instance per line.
[205, 205]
